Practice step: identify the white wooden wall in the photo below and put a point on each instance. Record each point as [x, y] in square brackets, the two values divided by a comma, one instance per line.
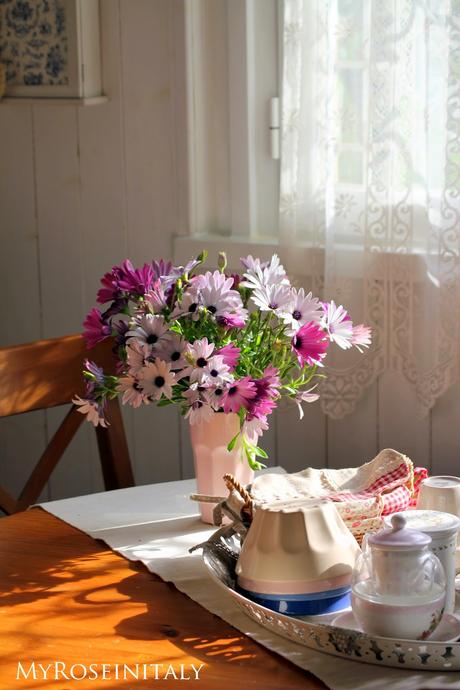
[81, 189]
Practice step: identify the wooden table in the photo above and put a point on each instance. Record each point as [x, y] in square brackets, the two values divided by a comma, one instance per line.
[65, 597]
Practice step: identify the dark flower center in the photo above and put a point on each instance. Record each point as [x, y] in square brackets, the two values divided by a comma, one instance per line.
[152, 339]
[214, 372]
[273, 305]
[201, 362]
[212, 309]
[175, 356]
[159, 381]
[296, 314]
[232, 390]
[218, 392]
[297, 342]
[192, 307]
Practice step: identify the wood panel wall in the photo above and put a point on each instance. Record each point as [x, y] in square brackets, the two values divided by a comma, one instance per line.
[81, 189]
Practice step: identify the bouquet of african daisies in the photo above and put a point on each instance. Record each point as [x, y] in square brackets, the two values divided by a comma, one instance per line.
[212, 342]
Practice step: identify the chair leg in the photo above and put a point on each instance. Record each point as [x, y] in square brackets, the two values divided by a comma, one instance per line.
[50, 458]
[113, 450]
[7, 502]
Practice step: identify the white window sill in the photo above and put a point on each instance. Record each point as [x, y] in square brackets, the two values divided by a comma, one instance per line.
[300, 260]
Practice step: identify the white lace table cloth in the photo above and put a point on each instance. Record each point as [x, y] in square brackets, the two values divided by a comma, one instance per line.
[157, 524]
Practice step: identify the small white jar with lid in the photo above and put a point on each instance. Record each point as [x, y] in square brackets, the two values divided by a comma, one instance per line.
[443, 530]
[398, 584]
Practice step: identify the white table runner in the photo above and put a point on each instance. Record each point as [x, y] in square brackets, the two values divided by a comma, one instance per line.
[157, 524]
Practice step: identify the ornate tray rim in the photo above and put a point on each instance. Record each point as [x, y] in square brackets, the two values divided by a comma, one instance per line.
[220, 555]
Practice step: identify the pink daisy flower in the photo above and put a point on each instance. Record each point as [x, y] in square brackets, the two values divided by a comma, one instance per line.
[309, 344]
[157, 379]
[132, 392]
[93, 411]
[238, 394]
[305, 396]
[361, 336]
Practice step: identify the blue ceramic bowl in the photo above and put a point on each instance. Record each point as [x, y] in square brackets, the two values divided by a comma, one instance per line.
[311, 604]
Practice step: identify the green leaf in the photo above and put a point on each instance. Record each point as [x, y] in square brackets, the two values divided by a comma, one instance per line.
[232, 443]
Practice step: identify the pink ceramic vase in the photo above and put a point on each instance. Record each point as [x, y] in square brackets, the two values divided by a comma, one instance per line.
[212, 459]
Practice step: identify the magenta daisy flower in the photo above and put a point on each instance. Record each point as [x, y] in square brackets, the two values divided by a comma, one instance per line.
[309, 344]
[238, 394]
[236, 320]
[267, 390]
[96, 330]
[137, 280]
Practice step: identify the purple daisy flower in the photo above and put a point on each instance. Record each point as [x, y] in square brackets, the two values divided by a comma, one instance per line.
[96, 371]
[96, 330]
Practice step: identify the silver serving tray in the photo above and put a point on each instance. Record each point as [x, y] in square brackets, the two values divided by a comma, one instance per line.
[220, 554]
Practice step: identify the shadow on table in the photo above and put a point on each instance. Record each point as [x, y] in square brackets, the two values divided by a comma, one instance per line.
[173, 616]
[38, 582]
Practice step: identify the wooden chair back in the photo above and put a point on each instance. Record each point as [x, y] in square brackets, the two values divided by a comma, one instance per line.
[48, 373]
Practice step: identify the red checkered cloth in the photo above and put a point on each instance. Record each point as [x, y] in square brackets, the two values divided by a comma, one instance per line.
[362, 495]
[420, 473]
[395, 496]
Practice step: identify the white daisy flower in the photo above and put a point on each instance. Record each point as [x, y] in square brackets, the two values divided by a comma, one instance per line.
[213, 395]
[300, 310]
[197, 355]
[216, 372]
[265, 275]
[132, 392]
[189, 305]
[173, 351]
[338, 325]
[272, 297]
[137, 355]
[254, 427]
[198, 409]
[157, 379]
[216, 293]
[91, 409]
[149, 329]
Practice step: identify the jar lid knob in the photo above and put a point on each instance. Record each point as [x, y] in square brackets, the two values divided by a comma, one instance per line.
[398, 522]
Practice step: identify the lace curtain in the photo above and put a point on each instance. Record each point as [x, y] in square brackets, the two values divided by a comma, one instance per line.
[370, 181]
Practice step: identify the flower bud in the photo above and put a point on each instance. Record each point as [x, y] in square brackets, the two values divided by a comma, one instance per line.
[222, 261]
